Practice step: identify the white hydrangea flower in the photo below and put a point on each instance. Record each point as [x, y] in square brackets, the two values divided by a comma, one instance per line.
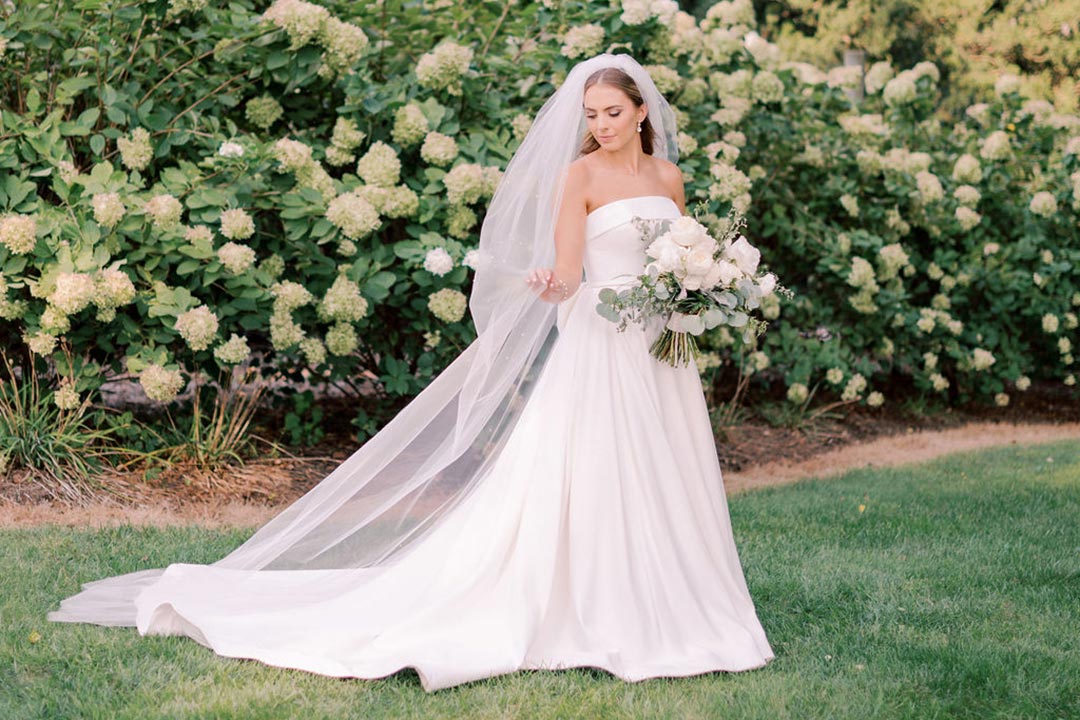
[667, 79]
[302, 21]
[230, 149]
[979, 112]
[901, 90]
[198, 327]
[520, 125]
[687, 144]
[1023, 383]
[40, 343]
[353, 215]
[1001, 399]
[233, 351]
[1050, 323]
[438, 261]
[263, 111]
[160, 384]
[967, 218]
[380, 165]
[767, 88]
[460, 220]
[797, 393]
[861, 274]
[66, 396]
[284, 333]
[729, 183]
[465, 184]
[314, 351]
[996, 146]
[939, 381]
[236, 258]
[410, 125]
[292, 155]
[1044, 204]
[112, 289]
[728, 13]
[845, 77]
[443, 67]
[165, 211]
[583, 41]
[723, 152]
[199, 234]
[850, 204]
[472, 259]
[343, 44]
[1006, 83]
[18, 233]
[982, 359]
[136, 151]
[967, 195]
[448, 304]
[1064, 345]
[877, 76]
[108, 209]
[73, 292]
[893, 257]
[868, 125]
[438, 149]
[343, 302]
[875, 399]
[341, 339]
[289, 296]
[855, 385]
[990, 248]
[237, 224]
[967, 169]
[930, 189]
[835, 376]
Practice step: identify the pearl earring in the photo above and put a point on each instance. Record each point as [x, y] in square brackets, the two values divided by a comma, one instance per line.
[639, 127]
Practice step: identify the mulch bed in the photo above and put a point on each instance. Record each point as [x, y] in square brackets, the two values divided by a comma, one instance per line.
[274, 481]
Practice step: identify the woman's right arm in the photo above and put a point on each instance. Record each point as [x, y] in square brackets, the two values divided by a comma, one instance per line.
[560, 282]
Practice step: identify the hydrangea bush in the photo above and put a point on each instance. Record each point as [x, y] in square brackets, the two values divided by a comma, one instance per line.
[207, 182]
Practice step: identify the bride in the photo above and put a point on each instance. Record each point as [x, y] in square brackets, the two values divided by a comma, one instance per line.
[552, 499]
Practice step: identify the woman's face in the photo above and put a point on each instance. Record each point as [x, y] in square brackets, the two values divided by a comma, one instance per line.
[611, 116]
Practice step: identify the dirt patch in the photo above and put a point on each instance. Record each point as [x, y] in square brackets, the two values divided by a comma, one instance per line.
[208, 500]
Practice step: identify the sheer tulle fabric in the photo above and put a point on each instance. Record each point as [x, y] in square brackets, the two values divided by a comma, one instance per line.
[405, 480]
[599, 536]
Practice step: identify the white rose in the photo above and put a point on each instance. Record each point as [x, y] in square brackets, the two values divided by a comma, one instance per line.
[729, 273]
[745, 255]
[699, 261]
[714, 276]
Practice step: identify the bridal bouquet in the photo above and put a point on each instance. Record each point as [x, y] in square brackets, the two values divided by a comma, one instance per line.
[694, 280]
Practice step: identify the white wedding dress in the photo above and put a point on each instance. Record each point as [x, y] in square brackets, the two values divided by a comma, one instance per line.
[602, 538]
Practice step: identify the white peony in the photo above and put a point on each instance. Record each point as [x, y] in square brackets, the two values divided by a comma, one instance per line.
[745, 256]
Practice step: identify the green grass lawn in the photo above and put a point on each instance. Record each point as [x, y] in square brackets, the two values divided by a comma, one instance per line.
[953, 593]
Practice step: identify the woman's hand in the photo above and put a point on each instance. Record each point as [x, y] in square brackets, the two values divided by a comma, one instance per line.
[547, 284]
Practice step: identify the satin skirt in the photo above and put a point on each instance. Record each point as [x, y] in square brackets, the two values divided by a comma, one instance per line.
[599, 537]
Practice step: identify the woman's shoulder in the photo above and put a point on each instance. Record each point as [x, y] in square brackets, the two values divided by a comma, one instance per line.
[667, 168]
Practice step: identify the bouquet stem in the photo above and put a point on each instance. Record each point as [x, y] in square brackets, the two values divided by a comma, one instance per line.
[675, 348]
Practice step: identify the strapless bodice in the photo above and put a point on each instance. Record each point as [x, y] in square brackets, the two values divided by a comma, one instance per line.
[613, 243]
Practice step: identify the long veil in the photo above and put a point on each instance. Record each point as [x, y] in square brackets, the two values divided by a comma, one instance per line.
[374, 507]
